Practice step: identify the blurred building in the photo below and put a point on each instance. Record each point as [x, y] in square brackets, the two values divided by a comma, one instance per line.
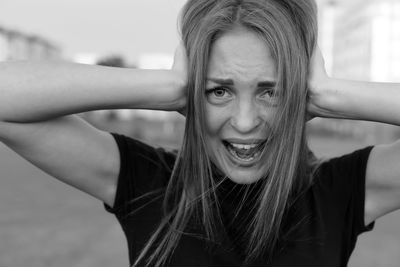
[360, 40]
[367, 40]
[16, 45]
[326, 27]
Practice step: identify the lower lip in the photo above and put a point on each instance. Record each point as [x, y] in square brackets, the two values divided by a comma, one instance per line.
[239, 162]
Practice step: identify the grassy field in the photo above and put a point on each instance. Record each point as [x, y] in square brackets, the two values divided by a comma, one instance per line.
[45, 223]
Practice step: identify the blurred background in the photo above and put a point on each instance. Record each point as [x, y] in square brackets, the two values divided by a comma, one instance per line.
[45, 223]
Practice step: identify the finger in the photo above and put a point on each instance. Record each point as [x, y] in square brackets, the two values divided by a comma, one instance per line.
[183, 112]
[311, 112]
[309, 117]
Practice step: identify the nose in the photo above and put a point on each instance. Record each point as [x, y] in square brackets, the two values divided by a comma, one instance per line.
[245, 117]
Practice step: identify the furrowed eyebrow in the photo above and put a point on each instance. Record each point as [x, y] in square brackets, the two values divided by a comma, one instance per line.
[221, 81]
[230, 82]
[267, 84]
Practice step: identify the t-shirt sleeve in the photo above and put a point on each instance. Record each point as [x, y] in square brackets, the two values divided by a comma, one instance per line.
[343, 179]
[143, 169]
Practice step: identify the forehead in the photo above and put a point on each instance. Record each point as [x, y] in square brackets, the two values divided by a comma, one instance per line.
[241, 53]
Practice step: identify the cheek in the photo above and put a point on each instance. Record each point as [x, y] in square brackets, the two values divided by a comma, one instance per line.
[266, 113]
[216, 118]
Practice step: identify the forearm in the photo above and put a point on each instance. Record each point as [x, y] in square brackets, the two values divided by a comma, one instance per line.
[358, 100]
[35, 91]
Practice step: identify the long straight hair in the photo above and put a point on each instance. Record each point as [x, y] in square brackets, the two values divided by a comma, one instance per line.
[289, 29]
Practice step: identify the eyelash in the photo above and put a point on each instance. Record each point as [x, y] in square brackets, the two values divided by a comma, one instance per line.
[269, 91]
[215, 89]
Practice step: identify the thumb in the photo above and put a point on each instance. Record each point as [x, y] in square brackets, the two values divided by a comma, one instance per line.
[180, 59]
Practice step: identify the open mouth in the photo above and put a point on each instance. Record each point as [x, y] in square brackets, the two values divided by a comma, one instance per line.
[244, 152]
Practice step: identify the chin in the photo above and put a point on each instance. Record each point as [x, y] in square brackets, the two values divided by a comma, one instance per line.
[244, 176]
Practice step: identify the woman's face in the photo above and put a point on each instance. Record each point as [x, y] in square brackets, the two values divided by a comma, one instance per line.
[240, 103]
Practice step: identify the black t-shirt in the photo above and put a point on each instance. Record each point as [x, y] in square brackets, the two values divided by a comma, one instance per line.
[329, 215]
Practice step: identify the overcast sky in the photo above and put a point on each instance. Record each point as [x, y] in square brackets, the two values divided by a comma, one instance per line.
[127, 27]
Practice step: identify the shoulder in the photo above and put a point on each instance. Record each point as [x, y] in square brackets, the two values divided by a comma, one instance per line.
[340, 179]
[339, 189]
[143, 169]
[347, 165]
[138, 151]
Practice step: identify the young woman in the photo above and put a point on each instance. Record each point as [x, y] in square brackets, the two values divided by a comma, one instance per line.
[244, 189]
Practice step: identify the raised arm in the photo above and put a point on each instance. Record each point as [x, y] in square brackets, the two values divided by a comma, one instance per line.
[379, 102]
[37, 91]
[36, 106]
[357, 100]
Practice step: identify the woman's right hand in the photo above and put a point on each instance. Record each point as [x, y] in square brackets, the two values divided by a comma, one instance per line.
[179, 68]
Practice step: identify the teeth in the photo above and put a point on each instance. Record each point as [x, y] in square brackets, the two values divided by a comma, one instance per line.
[248, 158]
[233, 150]
[242, 146]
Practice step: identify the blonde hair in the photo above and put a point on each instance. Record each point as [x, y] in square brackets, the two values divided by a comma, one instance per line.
[289, 29]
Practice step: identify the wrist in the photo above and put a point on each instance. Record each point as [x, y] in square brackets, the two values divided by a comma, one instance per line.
[325, 98]
[339, 99]
[173, 95]
[179, 83]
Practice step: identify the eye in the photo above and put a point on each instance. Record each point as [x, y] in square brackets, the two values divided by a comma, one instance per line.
[268, 93]
[269, 96]
[218, 91]
[218, 94]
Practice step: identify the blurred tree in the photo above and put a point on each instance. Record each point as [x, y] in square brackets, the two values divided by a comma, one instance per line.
[112, 61]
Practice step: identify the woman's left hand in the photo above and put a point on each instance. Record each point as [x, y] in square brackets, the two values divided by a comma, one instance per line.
[317, 80]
